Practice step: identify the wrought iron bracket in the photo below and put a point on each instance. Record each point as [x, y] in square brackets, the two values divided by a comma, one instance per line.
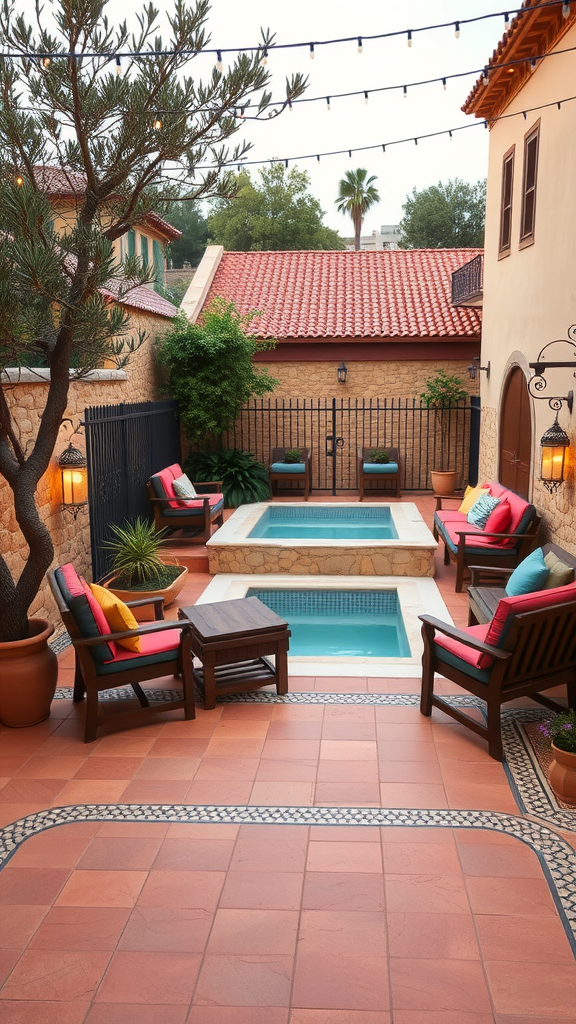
[538, 381]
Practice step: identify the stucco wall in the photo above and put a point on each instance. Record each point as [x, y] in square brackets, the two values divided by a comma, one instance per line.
[366, 379]
[530, 294]
[71, 537]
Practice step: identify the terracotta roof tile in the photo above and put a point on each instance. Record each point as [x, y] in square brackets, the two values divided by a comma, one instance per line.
[141, 298]
[404, 293]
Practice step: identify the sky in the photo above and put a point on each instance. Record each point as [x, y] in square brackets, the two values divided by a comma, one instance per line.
[310, 128]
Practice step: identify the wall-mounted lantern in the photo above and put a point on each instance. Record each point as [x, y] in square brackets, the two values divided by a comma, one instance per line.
[475, 367]
[342, 373]
[74, 474]
[555, 444]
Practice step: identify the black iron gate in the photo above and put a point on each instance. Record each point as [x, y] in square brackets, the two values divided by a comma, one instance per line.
[125, 444]
[334, 429]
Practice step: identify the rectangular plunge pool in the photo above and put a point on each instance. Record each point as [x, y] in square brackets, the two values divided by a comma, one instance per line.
[327, 523]
[345, 623]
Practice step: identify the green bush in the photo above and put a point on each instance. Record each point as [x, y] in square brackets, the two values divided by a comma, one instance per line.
[244, 480]
[379, 455]
[292, 455]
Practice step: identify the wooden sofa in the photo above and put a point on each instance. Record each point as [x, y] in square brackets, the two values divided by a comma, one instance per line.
[370, 481]
[469, 545]
[195, 516]
[488, 585]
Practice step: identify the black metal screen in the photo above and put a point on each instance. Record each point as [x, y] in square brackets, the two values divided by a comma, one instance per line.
[334, 428]
[125, 444]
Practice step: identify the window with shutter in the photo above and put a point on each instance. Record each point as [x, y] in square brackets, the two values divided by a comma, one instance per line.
[506, 203]
[531, 146]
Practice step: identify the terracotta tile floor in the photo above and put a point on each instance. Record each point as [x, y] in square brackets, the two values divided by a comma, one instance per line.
[156, 923]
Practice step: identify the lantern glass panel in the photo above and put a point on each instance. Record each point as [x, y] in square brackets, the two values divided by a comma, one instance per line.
[74, 486]
[553, 463]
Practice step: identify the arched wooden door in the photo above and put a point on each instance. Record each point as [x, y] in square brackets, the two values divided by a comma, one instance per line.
[515, 434]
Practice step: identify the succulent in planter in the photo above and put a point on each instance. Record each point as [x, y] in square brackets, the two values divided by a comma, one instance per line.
[378, 455]
[292, 455]
[561, 731]
[136, 563]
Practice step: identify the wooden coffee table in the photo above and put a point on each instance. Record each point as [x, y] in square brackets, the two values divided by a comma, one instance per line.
[232, 639]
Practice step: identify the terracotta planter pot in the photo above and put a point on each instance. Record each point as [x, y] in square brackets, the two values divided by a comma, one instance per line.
[168, 593]
[562, 775]
[444, 483]
[28, 677]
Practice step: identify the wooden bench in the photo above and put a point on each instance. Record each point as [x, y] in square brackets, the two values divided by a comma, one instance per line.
[483, 600]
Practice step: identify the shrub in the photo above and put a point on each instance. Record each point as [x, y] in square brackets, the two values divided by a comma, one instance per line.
[135, 549]
[244, 480]
[561, 731]
[379, 455]
[292, 455]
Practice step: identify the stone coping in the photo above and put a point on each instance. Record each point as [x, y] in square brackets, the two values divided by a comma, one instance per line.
[41, 375]
[416, 596]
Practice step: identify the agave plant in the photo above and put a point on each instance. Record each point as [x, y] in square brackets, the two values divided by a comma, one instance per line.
[244, 480]
[135, 549]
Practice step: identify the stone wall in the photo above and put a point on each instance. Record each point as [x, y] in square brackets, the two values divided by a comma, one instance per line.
[366, 379]
[27, 399]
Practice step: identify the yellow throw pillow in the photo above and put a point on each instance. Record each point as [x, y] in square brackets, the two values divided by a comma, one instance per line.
[118, 616]
[471, 495]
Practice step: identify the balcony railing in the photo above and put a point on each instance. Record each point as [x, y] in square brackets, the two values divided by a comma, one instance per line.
[468, 283]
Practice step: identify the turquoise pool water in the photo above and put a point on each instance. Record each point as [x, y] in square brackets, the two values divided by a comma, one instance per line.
[344, 623]
[327, 523]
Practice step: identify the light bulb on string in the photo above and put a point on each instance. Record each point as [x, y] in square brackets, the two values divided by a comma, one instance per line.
[46, 62]
[328, 104]
[405, 91]
[290, 105]
[506, 22]
[118, 66]
[566, 10]
[264, 60]
[457, 29]
[532, 65]
[360, 47]
[311, 51]
[366, 96]
[219, 64]
[157, 123]
[409, 38]
[19, 180]
[444, 83]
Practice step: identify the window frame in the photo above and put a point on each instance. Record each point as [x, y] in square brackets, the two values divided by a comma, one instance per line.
[527, 237]
[508, 160]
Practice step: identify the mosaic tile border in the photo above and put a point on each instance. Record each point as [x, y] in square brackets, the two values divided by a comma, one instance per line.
[270, 697]
[556, 856]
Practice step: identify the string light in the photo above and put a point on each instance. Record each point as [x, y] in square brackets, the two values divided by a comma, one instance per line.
[19, 180]
[506, 22]
[409, 37]
[566, 10]
[405, 90]
[328, 104]
[219, 64]
[264, 60]
[457, 29]
[360, 47]
[444, 83]
[118, 66]
[311, 51]
[366, 96]
[532, 65]
[158, 123]
[46, 62]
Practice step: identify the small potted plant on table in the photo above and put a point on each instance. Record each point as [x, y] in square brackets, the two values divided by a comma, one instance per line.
[443, 390]
[561, 732]
[138, 568]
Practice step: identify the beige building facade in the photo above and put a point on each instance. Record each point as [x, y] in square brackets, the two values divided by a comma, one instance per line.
[529, 294]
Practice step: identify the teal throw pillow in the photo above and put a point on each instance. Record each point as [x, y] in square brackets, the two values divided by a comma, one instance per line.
[481, 509]
[529, 576]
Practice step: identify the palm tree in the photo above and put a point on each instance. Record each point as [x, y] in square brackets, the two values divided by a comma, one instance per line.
[355, 196]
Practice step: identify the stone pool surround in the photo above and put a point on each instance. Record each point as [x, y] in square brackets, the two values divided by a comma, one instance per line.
[231, 550]
[415, 596]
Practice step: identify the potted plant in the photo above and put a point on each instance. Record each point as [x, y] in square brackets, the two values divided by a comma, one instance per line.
[379, 456]
[138, 568]
[292, 456]
[442, 391]
[561, 732]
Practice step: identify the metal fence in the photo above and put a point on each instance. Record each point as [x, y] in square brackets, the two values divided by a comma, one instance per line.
[125, 444]
[334, 428]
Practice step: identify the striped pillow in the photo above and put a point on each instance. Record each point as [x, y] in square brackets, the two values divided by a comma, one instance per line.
[481, 510]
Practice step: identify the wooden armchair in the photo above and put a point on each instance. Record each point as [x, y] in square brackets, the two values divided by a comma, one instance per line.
[195, 516]
[530, 646]
[102, 664]
[370, 480]
[296, 473]
[488, 584]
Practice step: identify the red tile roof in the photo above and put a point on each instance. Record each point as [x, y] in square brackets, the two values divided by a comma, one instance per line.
[141, 298]
[404, 293]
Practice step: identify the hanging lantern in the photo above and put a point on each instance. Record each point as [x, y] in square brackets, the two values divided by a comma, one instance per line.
[555, 443]
[74, 472]
[342, 373]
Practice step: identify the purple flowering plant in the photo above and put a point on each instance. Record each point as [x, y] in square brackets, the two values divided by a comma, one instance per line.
[561, 731]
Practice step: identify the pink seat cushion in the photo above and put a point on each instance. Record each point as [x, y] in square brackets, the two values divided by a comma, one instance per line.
[467, 654]
[150, 643]
[508, 607]
[451, 515]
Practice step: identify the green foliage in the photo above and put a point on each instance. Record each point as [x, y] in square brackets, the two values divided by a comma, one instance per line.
[356, 195]
[189, 248]
[445, 216]
[135, 551]
[443, 389]
[562, 731]
[292, 455]
[379, 455]
[244, 480]
[276, 213]
[210, 369]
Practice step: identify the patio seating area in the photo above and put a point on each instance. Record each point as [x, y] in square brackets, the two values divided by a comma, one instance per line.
[328, 855]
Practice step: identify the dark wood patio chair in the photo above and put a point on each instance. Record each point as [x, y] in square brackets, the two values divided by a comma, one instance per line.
[488, 584]
[384, 479]
[195, 516]
[296, 475]
[101, 664]
[533, 649]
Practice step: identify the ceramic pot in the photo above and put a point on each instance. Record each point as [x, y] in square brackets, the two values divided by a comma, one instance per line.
[168, 593]
[28, 677]
[444, 482]
[562, 775]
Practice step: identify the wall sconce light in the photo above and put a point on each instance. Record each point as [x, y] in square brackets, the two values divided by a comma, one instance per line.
[475, 366]
[342, 373]
[555, 443]
[74, 474]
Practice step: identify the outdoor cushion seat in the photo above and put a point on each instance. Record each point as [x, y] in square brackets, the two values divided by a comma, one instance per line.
[468, 544]
[102, 663]
[288, 467]
[529, 646]
[196, 515]
[380, 467]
